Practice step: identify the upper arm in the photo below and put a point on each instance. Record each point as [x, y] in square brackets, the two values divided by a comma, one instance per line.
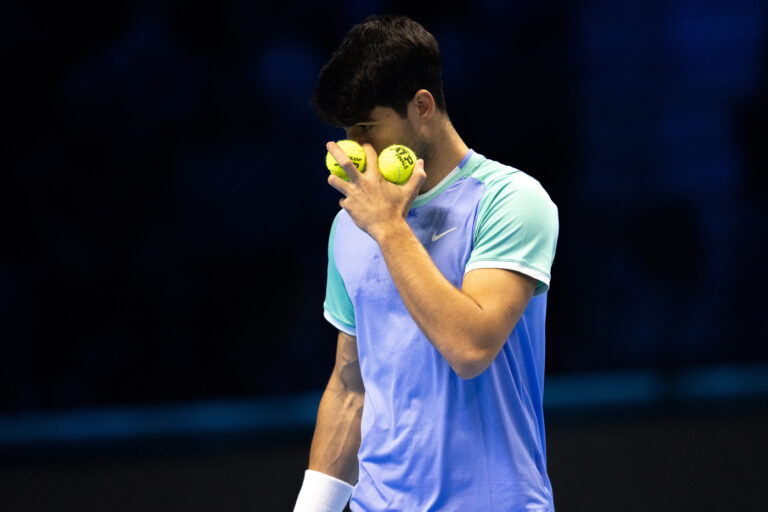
[516, 229]
[346, 370]
[502, 295]
[513, 249]
[340, 312]
[338, 307]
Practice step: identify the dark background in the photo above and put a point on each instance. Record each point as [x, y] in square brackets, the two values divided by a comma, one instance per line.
[164, 212]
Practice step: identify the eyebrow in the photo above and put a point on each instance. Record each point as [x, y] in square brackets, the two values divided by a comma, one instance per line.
[367, 122]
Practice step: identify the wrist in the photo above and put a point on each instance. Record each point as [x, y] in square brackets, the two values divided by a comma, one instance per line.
[322, 493]
[391, 230]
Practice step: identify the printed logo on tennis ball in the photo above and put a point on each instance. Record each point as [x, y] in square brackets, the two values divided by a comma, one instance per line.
[354, 151]
[396, 163]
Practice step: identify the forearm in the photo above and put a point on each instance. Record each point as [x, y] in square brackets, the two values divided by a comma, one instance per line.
[337, 432]
[450, 319]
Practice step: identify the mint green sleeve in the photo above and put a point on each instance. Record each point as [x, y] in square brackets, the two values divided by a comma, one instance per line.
[338, 307]
[516, 229]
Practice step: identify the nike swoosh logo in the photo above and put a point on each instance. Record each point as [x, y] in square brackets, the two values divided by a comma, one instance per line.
[436, 237]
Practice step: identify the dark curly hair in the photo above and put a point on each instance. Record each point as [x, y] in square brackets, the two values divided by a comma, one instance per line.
[381, 62]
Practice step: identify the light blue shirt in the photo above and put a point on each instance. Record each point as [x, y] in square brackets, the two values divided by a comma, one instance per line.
[431, 440]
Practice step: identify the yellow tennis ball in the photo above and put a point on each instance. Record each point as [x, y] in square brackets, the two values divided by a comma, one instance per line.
[396, 163]
[354, 151]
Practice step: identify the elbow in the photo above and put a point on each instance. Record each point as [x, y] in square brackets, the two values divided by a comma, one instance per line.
[469, 372]
[472, 363]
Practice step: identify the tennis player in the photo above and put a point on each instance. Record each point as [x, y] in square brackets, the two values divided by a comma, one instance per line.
[439, 291]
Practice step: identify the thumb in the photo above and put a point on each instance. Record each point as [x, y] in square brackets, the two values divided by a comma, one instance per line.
[413, 185]
[417, 177]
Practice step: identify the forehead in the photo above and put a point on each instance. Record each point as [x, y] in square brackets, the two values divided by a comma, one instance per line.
[382, 113]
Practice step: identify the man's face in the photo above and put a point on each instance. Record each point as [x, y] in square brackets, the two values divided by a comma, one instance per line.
[383, 128]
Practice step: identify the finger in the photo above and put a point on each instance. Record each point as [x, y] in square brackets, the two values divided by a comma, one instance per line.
[417, 177]
[371, 158]
[372, 161]
[345, 204]
[339, 184]
[344, 161]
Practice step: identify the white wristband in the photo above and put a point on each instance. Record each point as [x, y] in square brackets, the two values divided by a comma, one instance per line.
[322, 493]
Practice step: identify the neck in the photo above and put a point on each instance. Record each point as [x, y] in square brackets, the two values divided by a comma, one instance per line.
[444, 155]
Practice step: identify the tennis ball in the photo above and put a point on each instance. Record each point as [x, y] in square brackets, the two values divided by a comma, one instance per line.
[354, 151]
[396, 163]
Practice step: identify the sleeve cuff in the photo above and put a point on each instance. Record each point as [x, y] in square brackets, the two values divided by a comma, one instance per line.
[517, 267]
[347, 329]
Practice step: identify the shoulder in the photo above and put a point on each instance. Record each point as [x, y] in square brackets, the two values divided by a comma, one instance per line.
[345, 234]
[508, 184]
[340, 222]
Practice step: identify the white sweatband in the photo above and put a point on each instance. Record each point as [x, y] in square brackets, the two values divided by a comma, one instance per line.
[322, 493]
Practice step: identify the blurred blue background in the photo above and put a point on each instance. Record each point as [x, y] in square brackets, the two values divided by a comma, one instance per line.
[165, 214]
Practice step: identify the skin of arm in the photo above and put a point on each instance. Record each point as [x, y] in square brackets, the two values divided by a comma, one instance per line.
[468, 326]
[337, 433]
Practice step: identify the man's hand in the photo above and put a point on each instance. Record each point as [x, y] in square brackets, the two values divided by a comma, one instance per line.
[374, 203]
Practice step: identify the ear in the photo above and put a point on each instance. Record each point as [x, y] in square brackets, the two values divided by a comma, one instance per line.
[422, 105]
